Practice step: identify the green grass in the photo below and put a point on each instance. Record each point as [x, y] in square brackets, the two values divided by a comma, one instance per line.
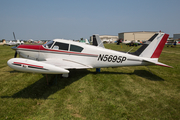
[114, 93]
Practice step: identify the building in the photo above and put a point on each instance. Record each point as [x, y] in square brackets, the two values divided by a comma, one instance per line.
[176, 36]
[136, 36]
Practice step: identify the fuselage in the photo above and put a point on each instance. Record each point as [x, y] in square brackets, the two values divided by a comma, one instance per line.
[89, 55]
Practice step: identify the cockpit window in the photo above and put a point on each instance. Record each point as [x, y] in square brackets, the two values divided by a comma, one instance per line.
[76, 48]
[60, 46]
[48, 44]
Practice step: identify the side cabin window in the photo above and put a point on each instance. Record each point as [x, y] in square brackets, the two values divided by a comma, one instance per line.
[48, 44]
[60, 46]
[76, 48]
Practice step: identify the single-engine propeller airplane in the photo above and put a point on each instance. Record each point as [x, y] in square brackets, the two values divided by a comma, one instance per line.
[58, 56]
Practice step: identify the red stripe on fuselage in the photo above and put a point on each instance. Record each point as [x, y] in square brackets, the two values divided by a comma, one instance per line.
[160, 47]
[28, 64]
[40, 47]
[36, 47]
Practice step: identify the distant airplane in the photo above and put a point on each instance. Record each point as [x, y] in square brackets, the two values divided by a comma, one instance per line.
[11, 43]
[85, 41]
[171, 42]
[30, 41]
[126, 41]
[58, 56]
[107, 40]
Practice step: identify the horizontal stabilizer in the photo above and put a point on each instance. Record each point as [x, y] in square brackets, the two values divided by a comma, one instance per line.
[164, 65]
[157, 63]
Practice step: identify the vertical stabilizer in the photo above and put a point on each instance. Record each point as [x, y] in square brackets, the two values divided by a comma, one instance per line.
[160, 46]
[153, 47]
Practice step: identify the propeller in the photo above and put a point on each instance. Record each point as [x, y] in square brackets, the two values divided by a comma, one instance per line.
[15, 47]
[15, 55]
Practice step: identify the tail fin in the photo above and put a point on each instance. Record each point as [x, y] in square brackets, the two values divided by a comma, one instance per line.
[97, 41]
[153, 47]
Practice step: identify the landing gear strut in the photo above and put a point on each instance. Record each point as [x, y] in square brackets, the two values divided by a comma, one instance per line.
[65, 75]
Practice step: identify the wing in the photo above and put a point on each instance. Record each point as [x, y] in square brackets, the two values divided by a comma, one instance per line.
[50, 66]
[66, 64]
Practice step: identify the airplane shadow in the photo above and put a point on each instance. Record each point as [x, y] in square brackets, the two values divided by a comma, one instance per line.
[142, 73]
[148, 75]
[40, 89]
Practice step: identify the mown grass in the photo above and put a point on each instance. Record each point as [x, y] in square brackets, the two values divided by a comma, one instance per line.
[114, 93]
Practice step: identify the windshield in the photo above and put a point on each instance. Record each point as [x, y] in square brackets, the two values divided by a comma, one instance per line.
[48, 44]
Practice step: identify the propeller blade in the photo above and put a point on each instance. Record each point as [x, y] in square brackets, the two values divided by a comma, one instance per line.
[15, 48]
[15, 55]
[14, 36]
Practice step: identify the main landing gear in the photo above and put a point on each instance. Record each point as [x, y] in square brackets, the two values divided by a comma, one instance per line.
[65, 75]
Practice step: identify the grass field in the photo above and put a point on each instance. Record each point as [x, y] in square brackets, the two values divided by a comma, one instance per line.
[113, 94]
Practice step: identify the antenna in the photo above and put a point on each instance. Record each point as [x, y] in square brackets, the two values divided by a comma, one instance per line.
[101, 43]
[130, 50]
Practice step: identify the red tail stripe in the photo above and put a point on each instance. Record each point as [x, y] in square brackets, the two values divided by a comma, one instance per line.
[160, 47]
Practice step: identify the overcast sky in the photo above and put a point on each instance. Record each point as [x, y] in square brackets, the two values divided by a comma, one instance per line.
[74, 19]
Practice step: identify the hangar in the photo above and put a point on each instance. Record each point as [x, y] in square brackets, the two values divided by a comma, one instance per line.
[136, 36]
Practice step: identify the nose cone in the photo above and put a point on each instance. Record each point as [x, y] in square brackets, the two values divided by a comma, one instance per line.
[14, 48]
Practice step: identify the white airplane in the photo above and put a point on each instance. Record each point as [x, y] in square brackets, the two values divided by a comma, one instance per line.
[126, 41]
[14, 42]
[58, 56]
[11, 43]
[107, 40]
[85, 41]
